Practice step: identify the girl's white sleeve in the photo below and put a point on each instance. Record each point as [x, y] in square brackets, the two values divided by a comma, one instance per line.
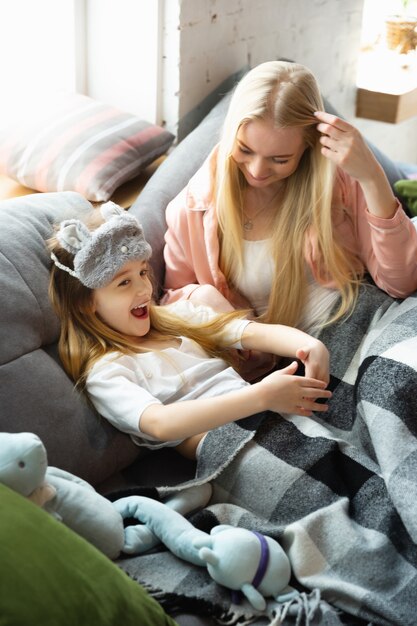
[113, 388]
[201, 314]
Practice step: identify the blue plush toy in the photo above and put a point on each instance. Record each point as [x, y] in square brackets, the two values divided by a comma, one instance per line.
[236, 558]
[24, 468]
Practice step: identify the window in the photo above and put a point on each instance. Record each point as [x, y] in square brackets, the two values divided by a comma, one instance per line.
[37, 42]
[387, 64]
[107, 49]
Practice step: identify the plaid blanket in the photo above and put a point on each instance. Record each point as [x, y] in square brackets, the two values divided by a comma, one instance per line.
[338, 490]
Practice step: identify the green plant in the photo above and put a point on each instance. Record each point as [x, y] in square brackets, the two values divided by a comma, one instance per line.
[405, 4]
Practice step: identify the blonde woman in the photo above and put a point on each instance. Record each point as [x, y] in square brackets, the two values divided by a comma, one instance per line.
[289, 213]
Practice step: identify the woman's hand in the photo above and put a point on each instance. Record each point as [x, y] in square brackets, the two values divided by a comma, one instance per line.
[209, 295]
[344, 145]
[286, 393]
[315, 358]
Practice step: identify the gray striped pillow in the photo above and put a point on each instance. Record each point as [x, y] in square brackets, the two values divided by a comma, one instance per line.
[75, 143]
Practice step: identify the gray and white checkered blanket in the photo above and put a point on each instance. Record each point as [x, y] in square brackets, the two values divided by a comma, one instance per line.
[338, 490]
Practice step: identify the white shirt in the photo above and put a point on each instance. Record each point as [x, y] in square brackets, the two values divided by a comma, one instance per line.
[257, 274]
[122, 386]
[319, 306]
[255, 284]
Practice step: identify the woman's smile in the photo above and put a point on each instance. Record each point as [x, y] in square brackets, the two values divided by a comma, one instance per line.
[266, 154]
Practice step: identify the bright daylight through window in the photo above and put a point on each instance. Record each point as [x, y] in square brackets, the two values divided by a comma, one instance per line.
[37, 50]
[388, 59]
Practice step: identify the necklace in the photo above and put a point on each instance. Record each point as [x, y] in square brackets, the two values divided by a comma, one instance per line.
[248, 221]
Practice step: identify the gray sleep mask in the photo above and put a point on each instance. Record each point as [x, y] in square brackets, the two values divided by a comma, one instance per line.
[100, 254]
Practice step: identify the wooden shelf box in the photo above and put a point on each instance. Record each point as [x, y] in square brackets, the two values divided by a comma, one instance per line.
[386, 107]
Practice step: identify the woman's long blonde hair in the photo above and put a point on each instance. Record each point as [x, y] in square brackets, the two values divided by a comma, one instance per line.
[85, 338]
[287, 94]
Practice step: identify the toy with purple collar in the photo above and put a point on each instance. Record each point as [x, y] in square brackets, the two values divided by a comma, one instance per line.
[242, 560]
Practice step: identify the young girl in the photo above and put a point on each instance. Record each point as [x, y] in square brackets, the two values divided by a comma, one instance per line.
[288, 213]
[163, 374]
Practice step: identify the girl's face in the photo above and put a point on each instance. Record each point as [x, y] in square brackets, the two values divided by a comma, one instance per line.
[265, 154]
[124, 303]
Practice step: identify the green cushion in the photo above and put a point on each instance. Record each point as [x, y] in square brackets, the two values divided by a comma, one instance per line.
[407, 189]
[51, 576]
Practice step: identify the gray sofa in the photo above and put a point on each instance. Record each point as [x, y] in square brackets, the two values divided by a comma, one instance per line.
[35, 393]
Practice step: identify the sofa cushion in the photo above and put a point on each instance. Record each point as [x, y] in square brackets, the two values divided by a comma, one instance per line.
[52, 576]
[35, 393]
[72, 142]
[172, 175]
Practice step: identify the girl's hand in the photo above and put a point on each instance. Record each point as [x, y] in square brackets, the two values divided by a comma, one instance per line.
[286, 393]
[344, 145]
[315, 358]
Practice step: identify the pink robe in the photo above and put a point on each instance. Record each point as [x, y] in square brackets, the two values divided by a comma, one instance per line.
[386, 247]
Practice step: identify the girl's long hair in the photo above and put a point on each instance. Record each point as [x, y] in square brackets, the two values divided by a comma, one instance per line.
[85, 338]
[287, 94]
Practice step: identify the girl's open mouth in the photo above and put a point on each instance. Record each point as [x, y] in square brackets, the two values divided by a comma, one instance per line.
[140, 311]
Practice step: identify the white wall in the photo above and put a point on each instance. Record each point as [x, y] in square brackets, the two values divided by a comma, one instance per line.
[123, 54]
[218, 37]
[202, 42]
[169, 79]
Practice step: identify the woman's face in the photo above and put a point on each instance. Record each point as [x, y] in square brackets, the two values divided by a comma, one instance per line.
[265, 154]
[124, 303]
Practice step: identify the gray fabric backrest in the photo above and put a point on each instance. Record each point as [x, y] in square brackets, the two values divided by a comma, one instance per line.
[35, 393]
[171, 176]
